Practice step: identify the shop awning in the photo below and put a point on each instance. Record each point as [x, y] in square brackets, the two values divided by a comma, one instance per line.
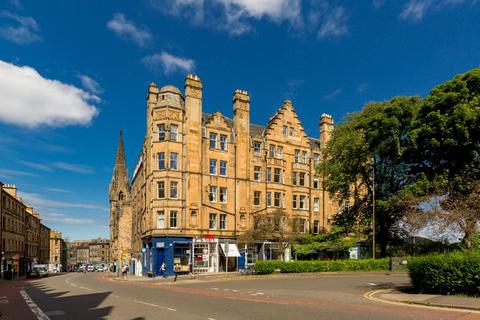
[232, 250]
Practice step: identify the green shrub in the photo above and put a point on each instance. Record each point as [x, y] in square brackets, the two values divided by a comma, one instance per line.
[452, 273]
[266, 267]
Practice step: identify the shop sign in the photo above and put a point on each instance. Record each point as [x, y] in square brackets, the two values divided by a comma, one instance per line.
[160, 245]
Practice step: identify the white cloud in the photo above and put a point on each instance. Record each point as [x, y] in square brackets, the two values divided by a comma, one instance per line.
[77, 168]
[378, 3]
[334, 24]
[62, 218]
[25, 30]
[332, 95]
[30, 100]
[39, 201]
[415, 10]
[17, 4]
[58, 190]
[13, 174]
[89, 84]
[126, 28]
[362, 87]
[169, 63]
[234, 16]
[37, 166]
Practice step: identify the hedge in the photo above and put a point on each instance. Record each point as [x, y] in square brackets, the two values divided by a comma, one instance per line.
[451, 273]
[266, 267]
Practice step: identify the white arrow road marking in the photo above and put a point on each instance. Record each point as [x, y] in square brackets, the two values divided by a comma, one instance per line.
[33, 306]
[154, 305]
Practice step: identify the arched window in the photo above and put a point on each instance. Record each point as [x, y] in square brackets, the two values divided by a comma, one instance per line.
[120, 196]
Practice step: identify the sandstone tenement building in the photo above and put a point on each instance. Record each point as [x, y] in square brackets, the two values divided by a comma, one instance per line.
[201, 179]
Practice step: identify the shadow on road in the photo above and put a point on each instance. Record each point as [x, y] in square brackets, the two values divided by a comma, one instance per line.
[64, 305]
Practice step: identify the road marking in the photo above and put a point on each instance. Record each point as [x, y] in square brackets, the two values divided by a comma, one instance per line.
[154, 305]
[260, 293]
[115, 296]
[86, 288]
[73, 285]
[371, 284]
[55, 313]
[371, 296]
[33, 307]
[3, 300]
[211, 319]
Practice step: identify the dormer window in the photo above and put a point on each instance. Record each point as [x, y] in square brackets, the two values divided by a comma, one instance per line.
[285, 131]
[292, 131]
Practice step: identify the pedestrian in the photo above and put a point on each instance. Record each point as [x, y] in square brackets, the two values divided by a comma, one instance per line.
[190, 273]
[163, 267]
[125, 272]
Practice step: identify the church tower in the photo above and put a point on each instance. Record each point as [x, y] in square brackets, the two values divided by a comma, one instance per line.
[119, 189]
[120, 209]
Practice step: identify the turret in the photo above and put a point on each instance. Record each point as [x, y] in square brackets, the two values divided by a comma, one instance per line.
[241, 124]
[326, 129]
[193, 117]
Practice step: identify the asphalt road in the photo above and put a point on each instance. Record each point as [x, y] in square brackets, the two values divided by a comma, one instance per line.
[325, 296]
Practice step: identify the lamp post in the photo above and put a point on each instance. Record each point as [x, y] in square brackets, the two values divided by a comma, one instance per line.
[373, 210]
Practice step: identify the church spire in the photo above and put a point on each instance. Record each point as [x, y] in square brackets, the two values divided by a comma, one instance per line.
[120, 159]
[120, 185]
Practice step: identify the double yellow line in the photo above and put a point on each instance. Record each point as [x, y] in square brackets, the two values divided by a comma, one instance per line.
[371, 295]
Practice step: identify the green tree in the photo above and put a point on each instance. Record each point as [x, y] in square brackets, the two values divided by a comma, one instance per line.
[445, 148]
[374, 138]
[336, 241]
[446, 134]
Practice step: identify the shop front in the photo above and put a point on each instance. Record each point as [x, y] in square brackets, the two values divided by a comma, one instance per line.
[175, 252]
[214, 255]
[205, 255]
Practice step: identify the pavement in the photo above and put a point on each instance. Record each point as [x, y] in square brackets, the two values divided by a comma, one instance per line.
[359, 296]
[432, 300]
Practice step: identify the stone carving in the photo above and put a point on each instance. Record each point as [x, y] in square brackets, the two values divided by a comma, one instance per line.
[166, 114]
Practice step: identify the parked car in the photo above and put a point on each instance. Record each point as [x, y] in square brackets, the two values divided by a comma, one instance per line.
[38, 271]
[90, 268]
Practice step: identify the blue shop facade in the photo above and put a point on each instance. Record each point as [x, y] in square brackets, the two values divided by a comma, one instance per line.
[184, 254]
[174, 251]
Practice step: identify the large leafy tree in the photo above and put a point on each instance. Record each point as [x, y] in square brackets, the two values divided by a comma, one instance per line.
[446, 134]
[446, 150]
[375, 138]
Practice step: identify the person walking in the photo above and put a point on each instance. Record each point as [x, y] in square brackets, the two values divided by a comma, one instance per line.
[163, 267]
[125, 272]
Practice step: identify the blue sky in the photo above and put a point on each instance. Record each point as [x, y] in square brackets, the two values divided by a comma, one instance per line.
[72, 73]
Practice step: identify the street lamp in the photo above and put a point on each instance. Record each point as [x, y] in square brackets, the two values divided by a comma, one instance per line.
[373, 210]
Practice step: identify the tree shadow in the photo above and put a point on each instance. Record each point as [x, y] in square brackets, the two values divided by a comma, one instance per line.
[64, 305]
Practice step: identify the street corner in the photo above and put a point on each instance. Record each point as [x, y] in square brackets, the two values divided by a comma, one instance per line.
[429, 301]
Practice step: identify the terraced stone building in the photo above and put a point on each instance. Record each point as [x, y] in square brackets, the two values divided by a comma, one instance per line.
[201, 179]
